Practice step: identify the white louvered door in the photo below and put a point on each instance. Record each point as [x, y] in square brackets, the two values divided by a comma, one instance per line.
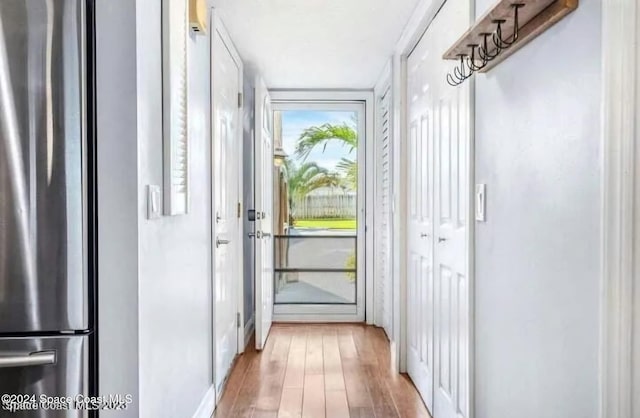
[384, 291]
[438, 299]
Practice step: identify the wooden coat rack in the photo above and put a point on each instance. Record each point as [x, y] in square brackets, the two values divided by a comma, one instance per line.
[505, 28]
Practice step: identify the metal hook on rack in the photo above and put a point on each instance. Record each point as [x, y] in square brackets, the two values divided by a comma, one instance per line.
[452, 82]
[471, 59]
[459, 73]
[497, 35]
[483, 51]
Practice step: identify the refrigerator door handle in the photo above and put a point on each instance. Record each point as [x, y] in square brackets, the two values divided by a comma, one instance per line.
[38, 358]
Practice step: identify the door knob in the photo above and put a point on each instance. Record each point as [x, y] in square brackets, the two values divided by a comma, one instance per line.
[440, 239]
[251, 234]
[424, 235]
[266, 234]
[220, 242]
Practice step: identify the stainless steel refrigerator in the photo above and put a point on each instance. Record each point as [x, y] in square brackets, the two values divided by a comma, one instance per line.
[46, 278]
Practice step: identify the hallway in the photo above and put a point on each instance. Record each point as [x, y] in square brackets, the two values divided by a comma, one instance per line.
[320, 370]
[320, 208]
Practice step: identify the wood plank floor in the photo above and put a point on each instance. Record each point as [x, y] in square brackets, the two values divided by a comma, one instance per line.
[320, 370]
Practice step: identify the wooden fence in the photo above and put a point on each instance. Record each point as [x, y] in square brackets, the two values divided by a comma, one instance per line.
[320, 207]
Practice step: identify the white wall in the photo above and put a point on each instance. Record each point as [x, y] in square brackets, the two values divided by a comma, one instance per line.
[155, 275]
[117, 200]
[175, 252]
[538, 130]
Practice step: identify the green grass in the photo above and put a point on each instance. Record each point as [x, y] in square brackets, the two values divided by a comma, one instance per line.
[326, 223]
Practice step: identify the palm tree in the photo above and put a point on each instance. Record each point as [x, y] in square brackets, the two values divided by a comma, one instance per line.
[315, 136]
[308, 177]
[349, 170]
[320, 136]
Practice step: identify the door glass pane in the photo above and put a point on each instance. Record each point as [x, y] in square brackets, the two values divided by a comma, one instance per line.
[315, 288]
[330, 252]
[316, 201]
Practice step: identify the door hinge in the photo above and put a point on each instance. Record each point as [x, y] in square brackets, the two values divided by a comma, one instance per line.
[238, 319]
[239, 210]
[240, 102]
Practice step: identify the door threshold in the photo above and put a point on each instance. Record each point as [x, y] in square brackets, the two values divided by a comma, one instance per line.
[316, 318]
[318, 313]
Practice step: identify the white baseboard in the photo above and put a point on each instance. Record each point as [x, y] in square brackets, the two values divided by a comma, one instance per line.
[249, 329]
[393, 349]
[207, 405]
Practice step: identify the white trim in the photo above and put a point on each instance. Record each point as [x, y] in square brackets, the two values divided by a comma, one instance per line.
[384, 79]
[242, 209]
[311, 95]
[420, 20]
[207, 405]
[369, 256]
[621, 208]
[350, 106]
[313, 99]
[471, 245]
[398, 209]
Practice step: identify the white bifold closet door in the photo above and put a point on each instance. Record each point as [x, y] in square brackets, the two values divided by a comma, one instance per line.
[438, 164]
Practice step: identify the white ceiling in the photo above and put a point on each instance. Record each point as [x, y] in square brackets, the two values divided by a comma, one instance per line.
[316, 43]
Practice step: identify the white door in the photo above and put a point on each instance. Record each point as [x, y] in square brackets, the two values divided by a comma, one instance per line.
[226, 243]
[384, 289]
[420, 224]
[439, 208]
[264, 213]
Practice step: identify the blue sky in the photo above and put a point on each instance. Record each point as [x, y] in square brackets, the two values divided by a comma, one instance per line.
[296, 121]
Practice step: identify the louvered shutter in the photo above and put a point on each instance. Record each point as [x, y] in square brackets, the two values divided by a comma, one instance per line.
[383, 243]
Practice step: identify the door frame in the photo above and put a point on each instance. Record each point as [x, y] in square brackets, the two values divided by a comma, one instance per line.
[422, 17]
[337, 96]
[620, 250]
[218, 29]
